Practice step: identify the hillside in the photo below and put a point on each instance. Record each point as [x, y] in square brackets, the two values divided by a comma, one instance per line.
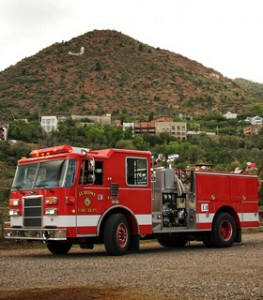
[255, 89]
[114, 74]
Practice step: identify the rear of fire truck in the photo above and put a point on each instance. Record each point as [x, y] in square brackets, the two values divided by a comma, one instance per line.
[203, 205]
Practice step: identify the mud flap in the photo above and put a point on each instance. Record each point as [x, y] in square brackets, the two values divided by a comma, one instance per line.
[238, 236]
[135, 243]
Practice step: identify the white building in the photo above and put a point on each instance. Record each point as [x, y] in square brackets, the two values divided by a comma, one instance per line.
[176, 129]
[104, 120]
[4, 126]
[127, 125]
[230, 115]
[49, 123]
[254, 120]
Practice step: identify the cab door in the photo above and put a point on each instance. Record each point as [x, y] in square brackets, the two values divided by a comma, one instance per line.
[91, 197]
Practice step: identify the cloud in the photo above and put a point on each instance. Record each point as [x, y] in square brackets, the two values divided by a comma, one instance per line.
[20, 18]
[221, 34]
[28, 26]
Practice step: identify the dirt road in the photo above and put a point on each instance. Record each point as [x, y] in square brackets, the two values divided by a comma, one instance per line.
[193, 272]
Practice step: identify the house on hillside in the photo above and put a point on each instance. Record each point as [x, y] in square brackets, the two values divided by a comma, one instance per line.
[254, 120]
[4, 126]
[49, 123]
[127, 125]
[160, 125]
[194, 133]
[229, 115]
[252, 129]
[144, 127]
[176, 129]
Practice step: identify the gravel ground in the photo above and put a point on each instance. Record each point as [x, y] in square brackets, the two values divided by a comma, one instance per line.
[194, 272]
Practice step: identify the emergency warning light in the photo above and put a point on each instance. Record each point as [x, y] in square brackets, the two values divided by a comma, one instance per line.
[58, 150]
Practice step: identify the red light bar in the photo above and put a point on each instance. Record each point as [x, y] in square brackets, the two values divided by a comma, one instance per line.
[51, 151]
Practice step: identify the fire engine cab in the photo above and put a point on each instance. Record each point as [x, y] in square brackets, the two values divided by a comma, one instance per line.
[66, 195]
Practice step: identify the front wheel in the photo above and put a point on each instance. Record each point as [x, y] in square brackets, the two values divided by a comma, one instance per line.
[224, 231]
[117, 236]
[59, 247]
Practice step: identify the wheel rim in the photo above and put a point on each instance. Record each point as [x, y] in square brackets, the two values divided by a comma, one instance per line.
[122, 235]
[226, 230]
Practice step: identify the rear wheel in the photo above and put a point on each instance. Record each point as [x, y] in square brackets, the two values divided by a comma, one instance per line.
[224, 231]
[58, 248]
[117, 237]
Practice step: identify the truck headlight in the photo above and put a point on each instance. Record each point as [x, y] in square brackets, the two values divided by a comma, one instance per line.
[51, 211]
[14, 213]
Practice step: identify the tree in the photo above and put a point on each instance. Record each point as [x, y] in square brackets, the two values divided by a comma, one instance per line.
[125, 144]
[113, 135]
[27, 132]
[150, 116]
[140, 144]
[128, 133]
[194, 154]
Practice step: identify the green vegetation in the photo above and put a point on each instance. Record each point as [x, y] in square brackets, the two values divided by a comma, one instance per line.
[229, 146]
[256, 89]
[227, 151]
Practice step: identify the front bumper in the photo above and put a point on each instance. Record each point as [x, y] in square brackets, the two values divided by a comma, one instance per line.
[36, 234]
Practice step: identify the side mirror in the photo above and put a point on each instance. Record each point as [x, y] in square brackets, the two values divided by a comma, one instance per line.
[91, 165]
[91, 178]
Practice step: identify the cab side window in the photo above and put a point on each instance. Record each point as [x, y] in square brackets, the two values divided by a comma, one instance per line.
[136, 171]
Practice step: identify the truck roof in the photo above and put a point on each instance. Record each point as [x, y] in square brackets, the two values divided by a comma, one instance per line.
[70, 151]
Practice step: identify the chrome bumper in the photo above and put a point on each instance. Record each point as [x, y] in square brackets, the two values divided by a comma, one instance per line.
[36, 234]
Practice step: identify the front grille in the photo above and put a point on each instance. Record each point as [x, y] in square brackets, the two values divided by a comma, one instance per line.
[33, 211]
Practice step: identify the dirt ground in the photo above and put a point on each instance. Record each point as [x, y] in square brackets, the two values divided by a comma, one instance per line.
[191, 273]
[76, 294]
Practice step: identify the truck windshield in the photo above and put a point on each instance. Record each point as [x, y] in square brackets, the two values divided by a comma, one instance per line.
[52, 173]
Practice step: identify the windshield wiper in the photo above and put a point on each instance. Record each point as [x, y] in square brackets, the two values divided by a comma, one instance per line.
[43, 185]
[18, 187]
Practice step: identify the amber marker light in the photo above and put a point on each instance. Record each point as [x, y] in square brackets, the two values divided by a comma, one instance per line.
[51, 200]
[14, 202]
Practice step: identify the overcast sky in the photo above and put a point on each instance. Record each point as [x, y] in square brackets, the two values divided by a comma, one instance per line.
[226, 35]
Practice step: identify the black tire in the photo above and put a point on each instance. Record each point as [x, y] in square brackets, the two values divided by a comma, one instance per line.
[117, 236]
[59, 247]
[172, 241]
[224, 231]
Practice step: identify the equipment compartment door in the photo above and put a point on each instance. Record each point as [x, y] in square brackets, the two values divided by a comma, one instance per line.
[244, 196]
[212, 187]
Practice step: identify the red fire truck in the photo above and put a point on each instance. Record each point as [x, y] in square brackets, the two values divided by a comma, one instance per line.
[66, 195]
